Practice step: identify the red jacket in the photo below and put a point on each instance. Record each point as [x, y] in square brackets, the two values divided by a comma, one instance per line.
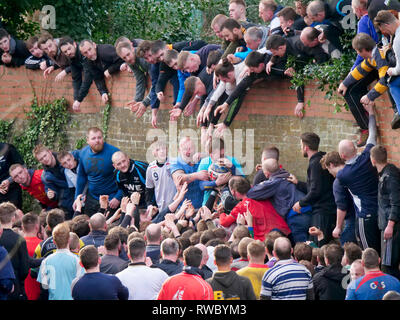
[36, 190]
[265, 217]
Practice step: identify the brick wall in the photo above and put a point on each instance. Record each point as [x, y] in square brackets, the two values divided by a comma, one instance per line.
[266, 116]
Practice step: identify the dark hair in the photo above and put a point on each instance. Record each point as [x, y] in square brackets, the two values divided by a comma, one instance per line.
[195, 238]
[213, 57]
[143, 47]
[192, 256]
[332, 157]
[29, 221]
[44, 37]
[206, 236]
[224, 68]
[334, 254]
[270, 240]
[240, 232]
[363, 41]
[54, 217]
[3, 33]
[183, 244]
[274, 41]
[89, 256]
[379, 154]
[254, 59]
[239, 184]
[271, 152]
[214, 242]
[235, 248]
[80, 225]
[302, 251]
[190, 85]
[157, 45]
[370, 257]
[312, 33]
[352, 251]
[30, 42]
[311, 140]
[65, 40]
[62, 154]
[112, 241]
[122, 233]
[384, 17]
[136, 248]
[220, 233]
[170, 55]
[288, 13]
[222, 254]
[240, 2]
[231, 24]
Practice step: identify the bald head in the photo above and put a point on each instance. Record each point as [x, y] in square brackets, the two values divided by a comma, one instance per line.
[347, 149]
[118, 155]
[98, 222]
[204, 253]
[270, 166]
[153, 234]
[282, 248]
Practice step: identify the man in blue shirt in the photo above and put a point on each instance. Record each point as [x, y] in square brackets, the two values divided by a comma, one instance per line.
[374, 284]
[345, 212]
[361, 179]
[217, 157]
[96, 169]
[184, 169]
[94, 285]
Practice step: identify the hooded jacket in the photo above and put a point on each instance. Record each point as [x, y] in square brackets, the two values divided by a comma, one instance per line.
[329, 284]
[282, 193]
[18, 51]
[318, 189]
[230, 286]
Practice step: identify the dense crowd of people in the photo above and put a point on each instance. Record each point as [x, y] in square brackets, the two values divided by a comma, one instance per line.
[194, 227]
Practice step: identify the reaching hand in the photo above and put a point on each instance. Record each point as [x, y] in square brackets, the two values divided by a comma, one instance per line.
[174, 114]
[104, 98]
[135, 198]
[103, 199]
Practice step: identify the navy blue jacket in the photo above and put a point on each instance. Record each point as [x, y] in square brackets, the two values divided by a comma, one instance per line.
[282, 193]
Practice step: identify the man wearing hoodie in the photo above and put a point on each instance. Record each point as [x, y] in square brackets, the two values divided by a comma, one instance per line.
[318, 188]
[328, 284]
[264, 215]
[13, 52]
[283, 195]
[227, 284]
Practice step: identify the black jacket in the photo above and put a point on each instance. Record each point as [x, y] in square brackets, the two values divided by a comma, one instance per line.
[329, 283]
[107, 59]
[388, 195]
[169, 267]
[231, 286]
[16, 247]
[318, 189]
[33, 63]
[9, 155]
[82, 78]
[18, 51]
[134, 180]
